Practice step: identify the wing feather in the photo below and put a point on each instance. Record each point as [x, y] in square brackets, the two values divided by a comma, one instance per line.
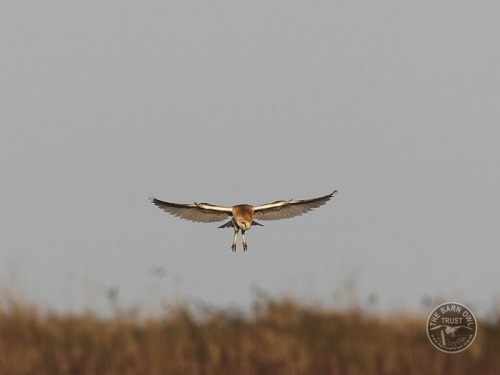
[288, 209]
[198, 212]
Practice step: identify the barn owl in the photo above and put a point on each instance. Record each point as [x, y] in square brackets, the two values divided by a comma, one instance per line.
[242, 215]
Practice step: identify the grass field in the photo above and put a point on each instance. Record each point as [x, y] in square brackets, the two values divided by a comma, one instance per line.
[277, 337]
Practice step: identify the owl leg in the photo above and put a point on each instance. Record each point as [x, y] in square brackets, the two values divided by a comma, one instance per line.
[233, 246]
[244, 240]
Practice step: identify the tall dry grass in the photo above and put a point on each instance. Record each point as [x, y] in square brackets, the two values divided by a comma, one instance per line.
[278, 337]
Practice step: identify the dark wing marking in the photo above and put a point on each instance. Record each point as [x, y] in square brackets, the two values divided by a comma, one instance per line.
[288, 209]
[199, 212]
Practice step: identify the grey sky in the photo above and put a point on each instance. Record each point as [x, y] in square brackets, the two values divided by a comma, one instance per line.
[396, 104]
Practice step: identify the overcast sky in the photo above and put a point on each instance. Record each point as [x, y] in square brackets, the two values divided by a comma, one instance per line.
[395, 104]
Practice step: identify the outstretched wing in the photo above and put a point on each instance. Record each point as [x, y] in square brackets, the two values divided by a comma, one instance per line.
[436, 327]
[287, 209]
[200, 212]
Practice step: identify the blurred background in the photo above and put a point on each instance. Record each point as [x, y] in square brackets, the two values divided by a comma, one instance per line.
[396, 105]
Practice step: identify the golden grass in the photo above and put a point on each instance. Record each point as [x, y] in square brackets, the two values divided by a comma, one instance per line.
[278, 337]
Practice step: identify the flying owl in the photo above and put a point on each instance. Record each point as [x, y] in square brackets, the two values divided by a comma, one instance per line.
[242, 215]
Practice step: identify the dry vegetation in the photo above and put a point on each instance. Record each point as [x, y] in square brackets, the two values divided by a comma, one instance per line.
[278, 337]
